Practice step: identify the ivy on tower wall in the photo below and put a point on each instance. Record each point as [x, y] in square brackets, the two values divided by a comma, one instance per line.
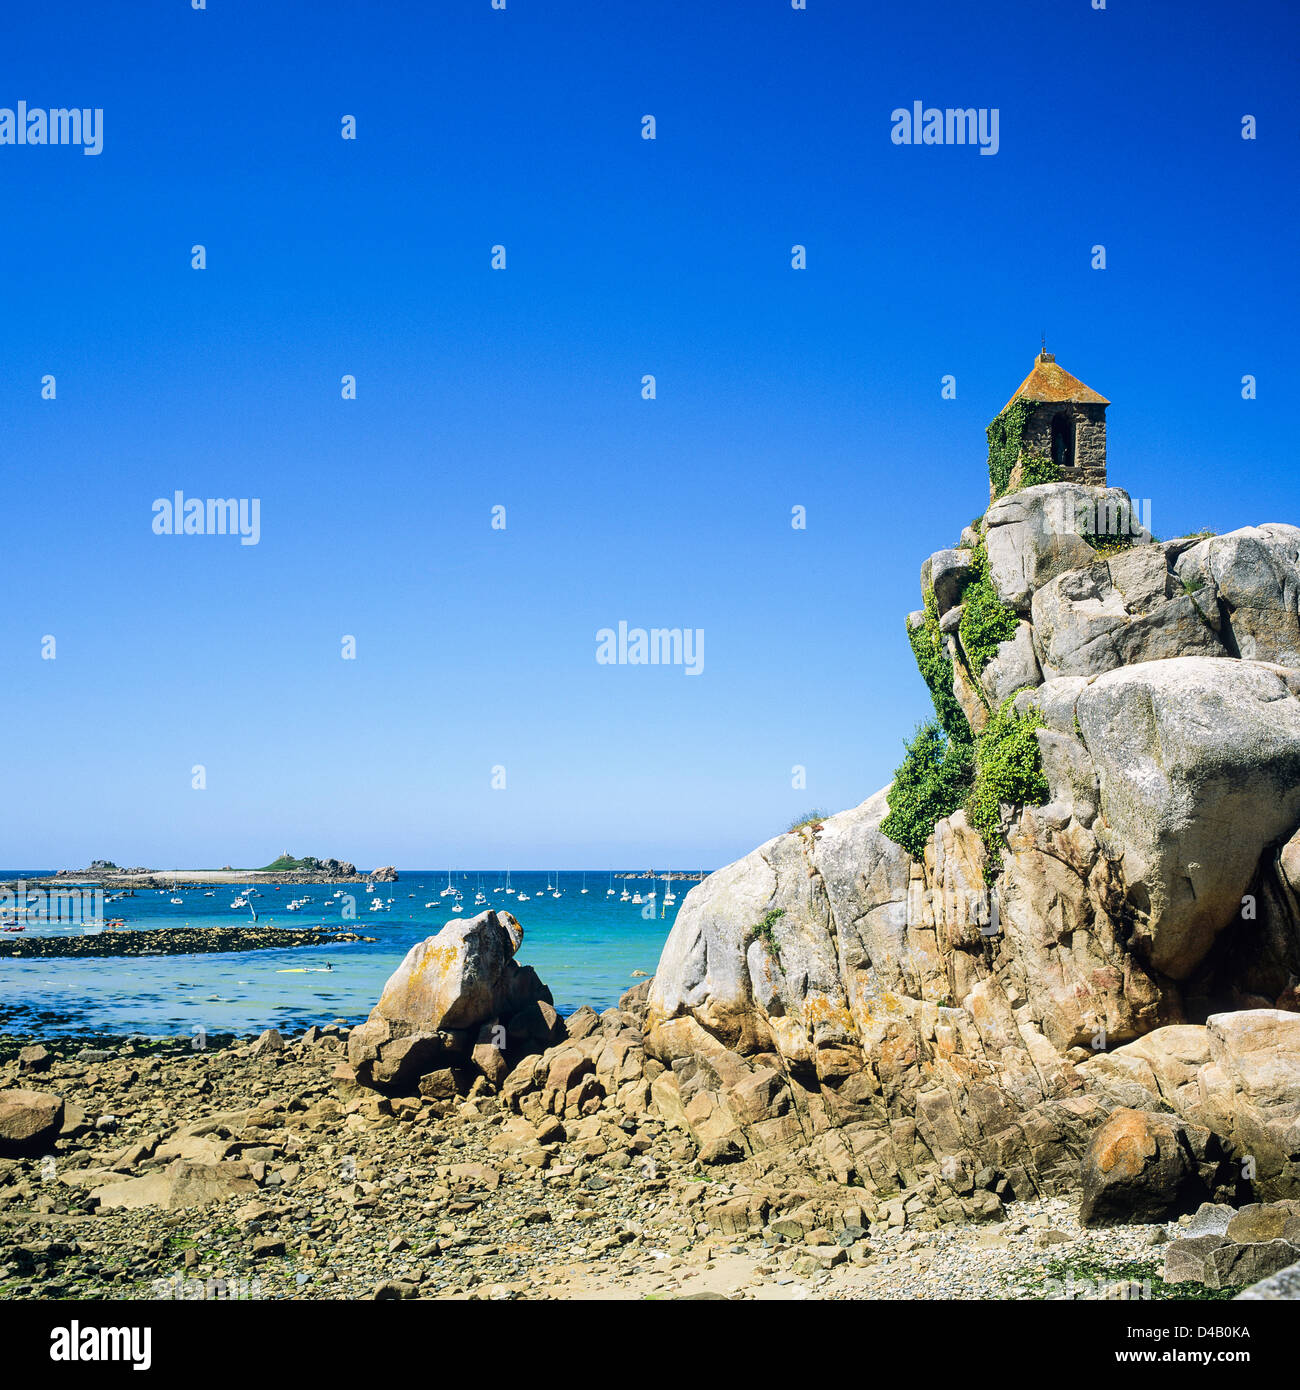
[1005, 436]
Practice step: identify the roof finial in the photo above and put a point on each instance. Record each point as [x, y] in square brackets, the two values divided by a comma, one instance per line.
[1043, 339]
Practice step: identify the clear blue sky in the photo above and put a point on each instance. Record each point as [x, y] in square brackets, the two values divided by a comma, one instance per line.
[522, 388]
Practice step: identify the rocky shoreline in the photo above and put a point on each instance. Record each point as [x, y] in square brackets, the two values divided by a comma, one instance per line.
[253, 1169]
[174, 941]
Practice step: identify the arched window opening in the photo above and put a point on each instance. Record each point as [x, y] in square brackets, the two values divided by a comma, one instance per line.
[1063, 441]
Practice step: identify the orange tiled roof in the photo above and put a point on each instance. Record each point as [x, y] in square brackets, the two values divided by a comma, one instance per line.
[1048, 382]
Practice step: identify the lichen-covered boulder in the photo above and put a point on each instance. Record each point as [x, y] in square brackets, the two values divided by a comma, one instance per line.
[446, 988]
[1145, 1166]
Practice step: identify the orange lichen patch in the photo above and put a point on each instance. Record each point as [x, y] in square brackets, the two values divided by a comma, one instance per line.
[897, 1053]
[963, 1067]
[818, 1008]
[1048, 382]
[1125, 1143]
[441, 956]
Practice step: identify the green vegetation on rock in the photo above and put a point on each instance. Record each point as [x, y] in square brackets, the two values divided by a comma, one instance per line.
[935, 665]
[985, 619]
[1008, 768]
[1087, 1275]
[286, 863]
[945, 766]
[765, 932]
[813, 818]
[931, 782]
[1110, 545]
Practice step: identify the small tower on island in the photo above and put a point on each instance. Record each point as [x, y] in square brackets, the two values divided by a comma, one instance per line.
[1059, 418]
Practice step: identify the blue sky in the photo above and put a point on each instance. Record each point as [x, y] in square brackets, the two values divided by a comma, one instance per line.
[522, 388]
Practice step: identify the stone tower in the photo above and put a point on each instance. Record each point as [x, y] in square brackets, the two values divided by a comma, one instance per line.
[1067, 422]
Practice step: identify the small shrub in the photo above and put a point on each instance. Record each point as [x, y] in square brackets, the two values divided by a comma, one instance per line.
[1008, 768]
[813, 818]
[931, 782]
[1110, 545]
[765, 932]
[1038, 468]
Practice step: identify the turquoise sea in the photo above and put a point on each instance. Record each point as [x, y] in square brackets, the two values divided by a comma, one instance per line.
[585, 947]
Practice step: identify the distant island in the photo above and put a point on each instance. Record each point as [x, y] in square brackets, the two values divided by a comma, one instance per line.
[286, 863]
[285, 869]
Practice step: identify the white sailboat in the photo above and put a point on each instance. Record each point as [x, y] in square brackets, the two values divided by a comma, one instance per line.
[609, 892]
[509, 890]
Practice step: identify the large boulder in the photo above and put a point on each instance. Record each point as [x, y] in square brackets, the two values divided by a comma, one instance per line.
[1145, 1166]
[1198, 763]
[1249, 1092]
[1119, 611]
[446, 988]
[1238, 1075]
[180, 1184]
[1158, 1071]
[946, 572]
[781, 949]
[1253, 575]
[29, 1122]
[1037, 533]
